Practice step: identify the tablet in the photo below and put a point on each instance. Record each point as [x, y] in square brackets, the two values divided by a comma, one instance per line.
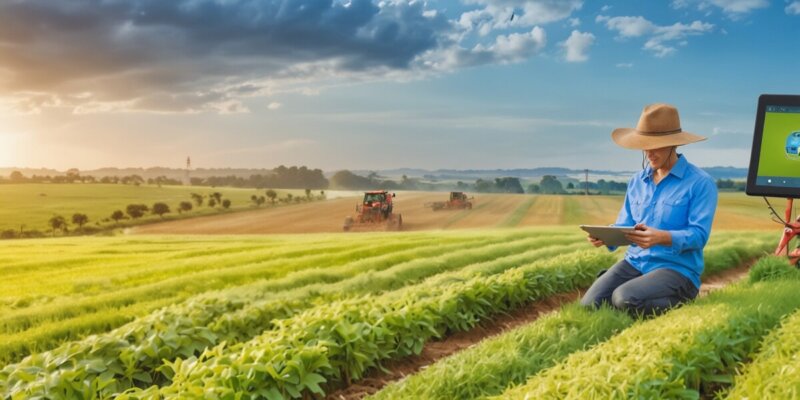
[610, 235]
[775, 157]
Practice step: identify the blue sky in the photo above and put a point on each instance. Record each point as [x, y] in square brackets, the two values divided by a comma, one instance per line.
[382, 84]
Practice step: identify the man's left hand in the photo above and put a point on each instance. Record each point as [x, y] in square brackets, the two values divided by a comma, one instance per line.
[647, 237]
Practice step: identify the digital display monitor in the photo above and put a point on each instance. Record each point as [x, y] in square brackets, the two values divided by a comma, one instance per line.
[775, 158]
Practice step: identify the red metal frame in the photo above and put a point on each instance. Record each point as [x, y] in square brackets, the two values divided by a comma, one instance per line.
[791, 230]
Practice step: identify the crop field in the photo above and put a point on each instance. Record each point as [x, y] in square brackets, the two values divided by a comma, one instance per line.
[32, 205]
[735, 211]
[304, 316]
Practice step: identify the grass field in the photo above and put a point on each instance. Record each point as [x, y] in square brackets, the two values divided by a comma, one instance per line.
[93, 317]
[32, 205]
[284, 316]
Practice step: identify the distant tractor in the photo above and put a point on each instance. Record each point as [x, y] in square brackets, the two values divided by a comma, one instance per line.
[458, 201]
[375, 212]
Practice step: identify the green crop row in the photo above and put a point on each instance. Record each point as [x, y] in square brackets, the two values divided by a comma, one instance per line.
[690, 352]
[775, 368]
[73, 320]
[339, 342]
[135, 352]
[492, 365]
[508, 359]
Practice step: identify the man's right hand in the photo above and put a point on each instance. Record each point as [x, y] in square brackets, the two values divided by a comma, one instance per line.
[595, 241]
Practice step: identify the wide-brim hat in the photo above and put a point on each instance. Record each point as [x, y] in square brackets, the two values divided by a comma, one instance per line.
[659, 126]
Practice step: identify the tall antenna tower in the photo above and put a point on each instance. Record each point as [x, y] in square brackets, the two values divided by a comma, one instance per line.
[586, 171]
[186, 180]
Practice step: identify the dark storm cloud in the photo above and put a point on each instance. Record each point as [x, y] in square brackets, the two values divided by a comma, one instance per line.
[191, 55]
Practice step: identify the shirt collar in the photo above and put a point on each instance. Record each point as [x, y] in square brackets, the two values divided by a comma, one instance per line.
[679, 169]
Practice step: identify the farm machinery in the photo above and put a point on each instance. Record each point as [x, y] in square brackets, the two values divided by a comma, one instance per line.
[375, 211]
[458, 201]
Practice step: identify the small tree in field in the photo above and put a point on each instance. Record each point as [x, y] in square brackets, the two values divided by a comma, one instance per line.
[136, 211]
[308, 194]
[272, 195]
[184, 206]
[57, 222]
[117, 215]
[80, 219]
[198, 199]
[226, 204]
[160, 209]
[217, 196]
[212, 203]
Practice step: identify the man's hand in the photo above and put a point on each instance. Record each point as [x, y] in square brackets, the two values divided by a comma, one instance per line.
[595, 241]
[647, 237]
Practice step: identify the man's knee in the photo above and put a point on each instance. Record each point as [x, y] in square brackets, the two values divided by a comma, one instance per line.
[624, 299]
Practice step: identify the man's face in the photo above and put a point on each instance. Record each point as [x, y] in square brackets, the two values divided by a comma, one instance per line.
[658, 158]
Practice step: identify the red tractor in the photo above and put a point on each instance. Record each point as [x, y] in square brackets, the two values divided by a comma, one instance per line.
[458, 201]
[375, 211]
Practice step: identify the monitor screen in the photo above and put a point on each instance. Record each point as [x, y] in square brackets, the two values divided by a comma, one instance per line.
[775, 160]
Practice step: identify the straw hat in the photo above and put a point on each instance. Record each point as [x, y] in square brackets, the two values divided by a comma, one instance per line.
[659, 126]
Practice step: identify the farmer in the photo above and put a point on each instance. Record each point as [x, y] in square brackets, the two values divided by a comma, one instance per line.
[671, 203]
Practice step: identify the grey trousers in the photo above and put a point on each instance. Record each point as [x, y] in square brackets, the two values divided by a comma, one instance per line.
[626, 288]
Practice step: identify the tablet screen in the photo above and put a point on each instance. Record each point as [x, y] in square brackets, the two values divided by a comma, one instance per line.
[775, 162]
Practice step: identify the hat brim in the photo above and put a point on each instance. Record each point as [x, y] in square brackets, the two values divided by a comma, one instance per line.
[630, 138]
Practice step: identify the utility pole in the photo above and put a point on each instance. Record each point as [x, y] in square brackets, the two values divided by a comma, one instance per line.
[586, 171]
[186, 180]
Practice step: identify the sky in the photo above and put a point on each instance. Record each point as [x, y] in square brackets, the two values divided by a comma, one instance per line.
[379, 84]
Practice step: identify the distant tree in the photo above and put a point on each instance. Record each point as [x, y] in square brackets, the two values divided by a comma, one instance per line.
[289, 197]
[551, 185]
[272, 195]
[160, 209]
[198, 199]
[226, 204]
[308, 193]
[217, 196]
[212, 203]
[184, 206]
[136, 211]
[483, 186]
[16, 176]
[570, 185]
[57, 222]
[117, 215]
[508, 185]
[322, 195]
[534, 188]
[80, 219]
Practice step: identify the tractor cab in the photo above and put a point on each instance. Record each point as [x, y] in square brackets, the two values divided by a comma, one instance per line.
[458, 196]
[375, 209]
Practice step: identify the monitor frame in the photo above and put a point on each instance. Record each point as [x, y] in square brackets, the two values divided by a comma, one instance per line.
[752, 188]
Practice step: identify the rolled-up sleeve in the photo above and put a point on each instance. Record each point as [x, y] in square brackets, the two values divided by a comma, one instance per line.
[702, 206]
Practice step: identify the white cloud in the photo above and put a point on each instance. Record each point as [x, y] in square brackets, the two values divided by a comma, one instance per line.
[506, 49]
[793, 8]
[605, 8]
[733, 8]
[577, 46]
[625, 65]
[574, 22]
[274, 105]
[660, 38]
[497, 14]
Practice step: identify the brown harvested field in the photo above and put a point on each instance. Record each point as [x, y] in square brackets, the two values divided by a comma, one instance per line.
[735, 211]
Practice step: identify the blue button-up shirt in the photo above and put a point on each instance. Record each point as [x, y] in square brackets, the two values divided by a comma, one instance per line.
[683, 203]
